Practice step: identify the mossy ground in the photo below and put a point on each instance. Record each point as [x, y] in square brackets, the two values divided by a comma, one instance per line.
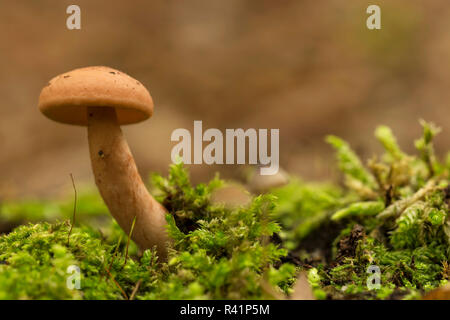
[391, 213]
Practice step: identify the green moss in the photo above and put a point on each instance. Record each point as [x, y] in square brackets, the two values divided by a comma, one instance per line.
[391, 213]
[218, 253]
[304, 207]
[34, 260]
[89, 206]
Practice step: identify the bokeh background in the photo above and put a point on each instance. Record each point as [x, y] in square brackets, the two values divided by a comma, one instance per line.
[307, 67]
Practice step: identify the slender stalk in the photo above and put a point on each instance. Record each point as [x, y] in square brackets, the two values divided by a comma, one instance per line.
[120, 184]
[74, 209]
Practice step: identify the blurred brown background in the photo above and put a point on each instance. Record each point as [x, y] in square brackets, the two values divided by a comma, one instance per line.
[307, 67]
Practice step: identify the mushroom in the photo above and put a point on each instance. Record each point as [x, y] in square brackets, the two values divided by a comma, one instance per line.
[261, 184]
[103, 99]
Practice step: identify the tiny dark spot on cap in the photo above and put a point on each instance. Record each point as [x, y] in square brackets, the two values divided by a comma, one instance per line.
[138, 83]
[66, 77]
[112, 72]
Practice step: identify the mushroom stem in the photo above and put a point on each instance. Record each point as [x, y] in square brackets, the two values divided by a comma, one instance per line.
[120, 184]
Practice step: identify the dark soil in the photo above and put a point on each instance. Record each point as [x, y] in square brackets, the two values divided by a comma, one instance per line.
[7, 227]
[319, 243]
[347, 245]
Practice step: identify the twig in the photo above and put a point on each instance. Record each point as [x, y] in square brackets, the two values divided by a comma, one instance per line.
[117, 284]
[136, 288]
[74, 209]
[396, 208]
[115, 252]
[128, 242]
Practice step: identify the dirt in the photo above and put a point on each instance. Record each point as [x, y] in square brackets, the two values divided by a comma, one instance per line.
[347, 245]
[6, 227]
[318, 244]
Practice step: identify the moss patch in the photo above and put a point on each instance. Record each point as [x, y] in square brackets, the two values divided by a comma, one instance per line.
[218, 253]
[390, 213]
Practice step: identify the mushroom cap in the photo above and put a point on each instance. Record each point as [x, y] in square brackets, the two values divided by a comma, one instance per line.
[67, 96]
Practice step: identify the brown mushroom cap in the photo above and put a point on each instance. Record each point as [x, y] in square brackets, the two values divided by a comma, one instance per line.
[67, 96]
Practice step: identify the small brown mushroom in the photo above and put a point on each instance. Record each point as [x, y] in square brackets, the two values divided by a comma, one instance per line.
[102, 99]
